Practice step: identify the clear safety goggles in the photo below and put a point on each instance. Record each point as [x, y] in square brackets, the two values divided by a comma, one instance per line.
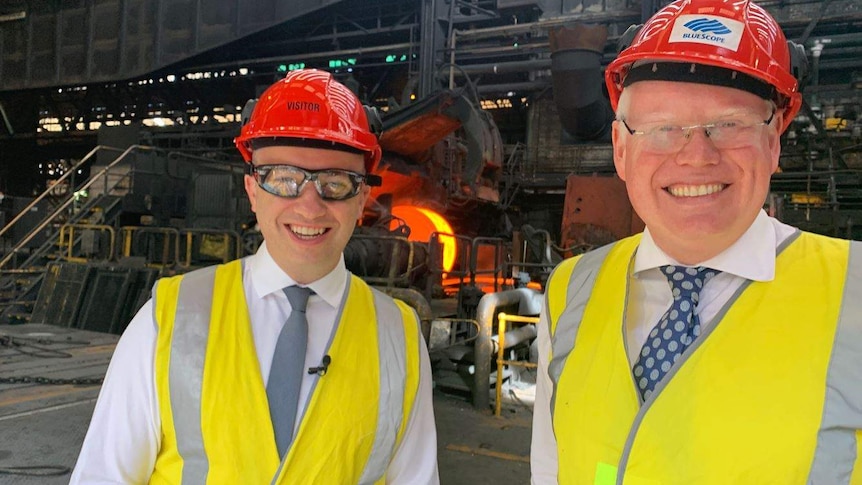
[332, 184]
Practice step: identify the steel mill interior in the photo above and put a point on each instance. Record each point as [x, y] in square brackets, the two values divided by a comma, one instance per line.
[118, 167]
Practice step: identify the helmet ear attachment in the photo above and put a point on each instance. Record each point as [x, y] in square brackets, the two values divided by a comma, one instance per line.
[375, 124]
[628, 37]
[798, 63]
[247, 110]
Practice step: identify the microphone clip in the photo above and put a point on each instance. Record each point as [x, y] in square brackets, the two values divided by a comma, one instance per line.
[322, 368]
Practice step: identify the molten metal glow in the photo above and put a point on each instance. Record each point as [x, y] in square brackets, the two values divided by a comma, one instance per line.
[485, 283]
[423, 222]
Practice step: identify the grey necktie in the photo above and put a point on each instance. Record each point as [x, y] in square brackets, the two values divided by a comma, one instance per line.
[288, 361]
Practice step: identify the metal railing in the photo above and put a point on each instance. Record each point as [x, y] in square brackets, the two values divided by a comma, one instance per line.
[67, 238]
[69, 173]
[501, 350]
[401, 262]
[69, 200]
[230, 248]
[166, 241]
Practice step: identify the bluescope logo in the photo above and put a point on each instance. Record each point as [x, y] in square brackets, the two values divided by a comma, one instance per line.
[707, 25]
[302, 106]
[707, 29]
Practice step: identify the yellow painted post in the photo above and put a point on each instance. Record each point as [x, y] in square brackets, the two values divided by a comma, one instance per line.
[127, 241]
[501, 336]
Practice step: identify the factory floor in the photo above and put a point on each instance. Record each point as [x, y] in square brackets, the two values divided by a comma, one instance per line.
[476, 447]
[44, 426]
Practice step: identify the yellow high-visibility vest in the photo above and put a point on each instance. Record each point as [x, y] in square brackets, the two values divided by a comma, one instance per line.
[215, 420]
[771, 393]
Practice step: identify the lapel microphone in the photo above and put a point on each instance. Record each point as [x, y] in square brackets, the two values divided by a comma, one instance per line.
[322, 368]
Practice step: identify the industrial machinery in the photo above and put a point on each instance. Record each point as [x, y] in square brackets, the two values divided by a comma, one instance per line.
[117, 160]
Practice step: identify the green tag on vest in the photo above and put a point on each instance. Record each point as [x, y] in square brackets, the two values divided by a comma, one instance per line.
[606, 474]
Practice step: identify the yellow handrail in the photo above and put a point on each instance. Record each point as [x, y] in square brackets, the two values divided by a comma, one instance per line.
[70, 228]
[501, 348]
[170, 247]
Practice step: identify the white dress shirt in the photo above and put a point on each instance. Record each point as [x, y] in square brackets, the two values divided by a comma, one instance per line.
[125, 432]
[751, 257]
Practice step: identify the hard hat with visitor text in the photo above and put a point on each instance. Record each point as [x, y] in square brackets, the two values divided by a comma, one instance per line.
[310, 108]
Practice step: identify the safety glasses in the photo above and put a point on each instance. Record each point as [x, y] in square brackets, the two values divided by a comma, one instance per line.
[332, 184]
[725, 134]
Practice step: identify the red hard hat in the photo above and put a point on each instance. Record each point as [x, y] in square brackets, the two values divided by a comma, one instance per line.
[737, 37]
[311, 106]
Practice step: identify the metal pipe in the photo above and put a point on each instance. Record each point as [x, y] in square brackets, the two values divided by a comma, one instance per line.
[529, 303]
[452, 44]
[524, 86]
[6, 120]
[513, 337]
[418, 303]
[616, 16]
[576, 71]
[500, 67]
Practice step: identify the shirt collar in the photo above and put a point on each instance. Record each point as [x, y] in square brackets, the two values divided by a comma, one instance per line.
[752, 256]
[268, 278]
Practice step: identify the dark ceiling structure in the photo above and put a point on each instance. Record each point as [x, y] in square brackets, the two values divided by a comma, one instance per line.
[69, 66]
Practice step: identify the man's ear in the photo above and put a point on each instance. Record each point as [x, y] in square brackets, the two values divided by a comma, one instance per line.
[619, 141]
[774, 141]
[364, 193]
[251, 191]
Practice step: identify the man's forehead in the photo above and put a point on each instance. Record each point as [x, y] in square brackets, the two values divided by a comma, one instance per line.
[677, 95]
[277, 152]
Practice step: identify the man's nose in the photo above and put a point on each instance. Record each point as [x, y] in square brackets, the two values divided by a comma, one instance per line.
[698, 148]
[309, 203]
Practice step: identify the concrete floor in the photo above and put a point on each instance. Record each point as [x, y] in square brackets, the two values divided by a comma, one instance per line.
[475, 447]
[45, 425]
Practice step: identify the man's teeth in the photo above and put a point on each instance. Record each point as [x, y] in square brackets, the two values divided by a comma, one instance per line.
[307, 231]
[695, 190]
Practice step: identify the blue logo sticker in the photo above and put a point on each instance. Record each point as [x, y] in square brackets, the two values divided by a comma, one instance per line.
[708, 29]
[708, 25]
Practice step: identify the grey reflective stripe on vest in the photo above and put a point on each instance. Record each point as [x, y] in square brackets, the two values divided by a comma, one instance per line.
[577, 294]
[393, 383]
[836, 449]
[186, 370]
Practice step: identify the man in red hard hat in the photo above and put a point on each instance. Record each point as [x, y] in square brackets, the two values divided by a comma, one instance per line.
[719, 346]
[281, 367]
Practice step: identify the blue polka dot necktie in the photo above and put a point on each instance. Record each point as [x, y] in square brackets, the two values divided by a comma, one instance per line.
[676, 330]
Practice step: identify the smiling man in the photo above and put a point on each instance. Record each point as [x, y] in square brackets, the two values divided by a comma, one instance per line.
[720, 346]
[281, 367]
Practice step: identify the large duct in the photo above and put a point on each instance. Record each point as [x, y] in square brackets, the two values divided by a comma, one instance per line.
[529, 303]
[576, 55]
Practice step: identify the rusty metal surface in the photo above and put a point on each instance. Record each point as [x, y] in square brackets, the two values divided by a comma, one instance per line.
[417, 135]
[578, 36]
[597, 211]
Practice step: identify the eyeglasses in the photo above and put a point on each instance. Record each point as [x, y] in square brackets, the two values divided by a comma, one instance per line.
[331, 184]
[724, 134]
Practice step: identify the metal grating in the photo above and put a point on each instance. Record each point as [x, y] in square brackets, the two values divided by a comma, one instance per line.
[60, 294]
